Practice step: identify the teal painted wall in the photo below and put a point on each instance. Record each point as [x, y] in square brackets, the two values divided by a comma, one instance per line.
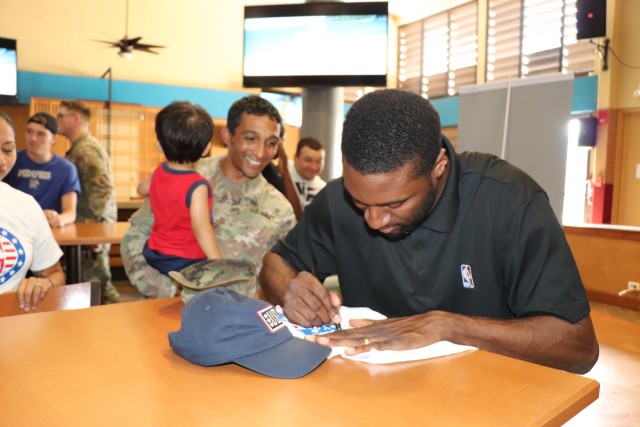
[30, 84]
[217, 102]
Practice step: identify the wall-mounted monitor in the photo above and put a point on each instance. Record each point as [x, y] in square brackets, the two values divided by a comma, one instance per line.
[8, 71]
[316, 44]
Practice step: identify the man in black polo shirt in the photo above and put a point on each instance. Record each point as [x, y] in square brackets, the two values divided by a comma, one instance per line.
[464, 248]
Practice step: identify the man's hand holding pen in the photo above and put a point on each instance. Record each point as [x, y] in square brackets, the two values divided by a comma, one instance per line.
[308, 303]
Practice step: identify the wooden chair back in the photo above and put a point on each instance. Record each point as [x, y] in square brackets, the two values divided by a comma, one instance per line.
[69, 297]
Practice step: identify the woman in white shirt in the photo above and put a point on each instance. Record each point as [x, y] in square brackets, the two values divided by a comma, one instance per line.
[26, 241]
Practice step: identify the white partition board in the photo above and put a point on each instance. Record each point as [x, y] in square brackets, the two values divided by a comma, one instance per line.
[525, 121]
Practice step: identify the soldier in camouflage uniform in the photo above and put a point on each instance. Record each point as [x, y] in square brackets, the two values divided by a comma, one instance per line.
[249, 214]
[97, 202]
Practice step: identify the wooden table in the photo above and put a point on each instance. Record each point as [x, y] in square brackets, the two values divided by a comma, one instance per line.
[112, 365]
[76, 235]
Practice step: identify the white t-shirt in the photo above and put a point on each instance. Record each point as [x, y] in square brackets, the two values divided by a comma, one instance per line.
[26, 241]
[307, 188]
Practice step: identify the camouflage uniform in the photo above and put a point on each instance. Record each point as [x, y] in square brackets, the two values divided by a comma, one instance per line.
[96, 203]
[248, 219]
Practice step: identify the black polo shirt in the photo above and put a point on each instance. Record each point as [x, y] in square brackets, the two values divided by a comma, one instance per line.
[491, 247]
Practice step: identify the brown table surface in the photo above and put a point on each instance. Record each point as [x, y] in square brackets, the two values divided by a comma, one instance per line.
[112, 365]
[90, 233]
[73, 236]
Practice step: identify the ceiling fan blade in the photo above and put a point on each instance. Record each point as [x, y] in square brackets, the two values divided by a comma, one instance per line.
[112, 43]
[132, 41]
[145, 49]
[127, 45]
[142, 45]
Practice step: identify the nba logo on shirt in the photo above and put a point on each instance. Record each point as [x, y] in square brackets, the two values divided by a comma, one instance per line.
[467, 278]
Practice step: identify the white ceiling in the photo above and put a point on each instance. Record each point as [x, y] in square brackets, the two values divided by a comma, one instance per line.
[412, 10]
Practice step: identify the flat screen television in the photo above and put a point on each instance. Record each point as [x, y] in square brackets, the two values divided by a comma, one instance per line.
[316, 44]
[8, 71]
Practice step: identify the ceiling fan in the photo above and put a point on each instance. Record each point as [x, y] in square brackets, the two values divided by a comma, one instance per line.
[127, 45]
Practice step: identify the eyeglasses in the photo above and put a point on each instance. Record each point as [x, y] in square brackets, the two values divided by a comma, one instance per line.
[61, 115]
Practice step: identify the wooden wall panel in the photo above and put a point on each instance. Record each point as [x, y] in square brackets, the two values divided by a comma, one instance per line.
[131, 140]
[19, 114]
[126, 132]
[627, 185]
[607, 259]
[451, 132]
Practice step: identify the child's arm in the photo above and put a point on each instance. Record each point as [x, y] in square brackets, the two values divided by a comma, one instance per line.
[143, 187]
[201, 224]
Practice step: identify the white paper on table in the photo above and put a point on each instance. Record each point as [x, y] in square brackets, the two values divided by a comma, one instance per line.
[438, 349]
[441, 348]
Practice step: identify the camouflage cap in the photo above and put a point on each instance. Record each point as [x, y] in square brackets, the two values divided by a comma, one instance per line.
[237, 275]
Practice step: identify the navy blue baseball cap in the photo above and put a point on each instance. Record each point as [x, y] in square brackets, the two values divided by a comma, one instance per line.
[220, 326]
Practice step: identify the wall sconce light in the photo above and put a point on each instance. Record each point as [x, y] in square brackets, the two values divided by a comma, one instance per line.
[636, 93]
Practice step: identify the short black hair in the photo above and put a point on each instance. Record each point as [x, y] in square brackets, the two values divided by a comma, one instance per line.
[183, 130]
[312, 143]
[386, 129]
[253, 105]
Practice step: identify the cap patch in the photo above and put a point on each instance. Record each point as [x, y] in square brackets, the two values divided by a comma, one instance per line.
[270, 317]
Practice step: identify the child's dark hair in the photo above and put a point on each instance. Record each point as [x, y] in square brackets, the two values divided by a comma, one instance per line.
[183, 130]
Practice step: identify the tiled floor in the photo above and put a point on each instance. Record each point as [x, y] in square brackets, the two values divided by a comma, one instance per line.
[623, 313]
[617, 370]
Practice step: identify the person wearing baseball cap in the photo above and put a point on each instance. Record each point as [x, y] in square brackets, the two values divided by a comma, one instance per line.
[51, 179]
[220, 326]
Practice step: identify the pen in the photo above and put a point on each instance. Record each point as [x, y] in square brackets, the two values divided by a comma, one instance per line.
[336, 325]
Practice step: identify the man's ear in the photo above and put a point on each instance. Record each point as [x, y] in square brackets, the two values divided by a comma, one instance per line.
[442, 162]
[206, 150]
[226, 136]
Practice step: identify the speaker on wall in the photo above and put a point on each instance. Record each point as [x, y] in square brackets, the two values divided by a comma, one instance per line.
[592, 18]
[588, 128]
